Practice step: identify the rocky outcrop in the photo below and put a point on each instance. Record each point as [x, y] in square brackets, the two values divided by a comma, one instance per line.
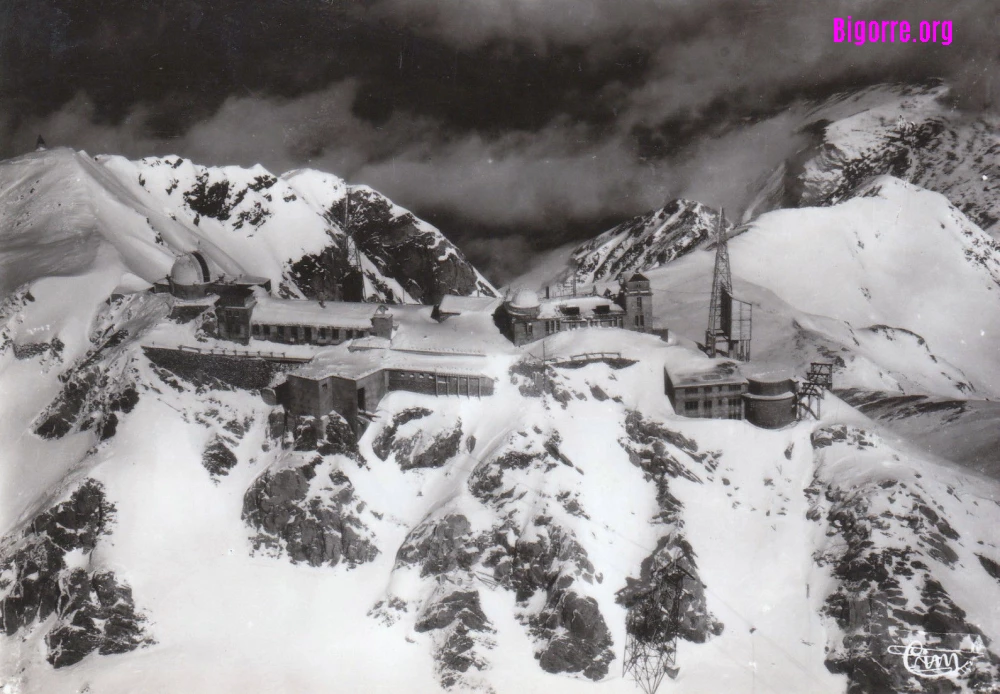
[416, 447]
[95, 393]
[461, 632]
[407, 249]
[887, 542]
[569, 629]
[94, 611]
[440, 546]
[309, 513]
[340, 439]
[384, 443]
[578, 640]
[534, 380]
[667, 601]
[217, 458]
[643, 242]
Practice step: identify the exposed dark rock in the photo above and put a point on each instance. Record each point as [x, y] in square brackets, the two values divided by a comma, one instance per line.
[459, 606]
[487, 478]
[572, 632]
[442, 448]
[535, 379]
[383, 443]
[217, 458]
[440, 546]
[992, 567]
[876, 576]
[462, 630]
[579, 640]
[423, 262]
[305, 436]
[340, 439]
[94, 611]
[419, 449]
[311, 514]
[667, 601]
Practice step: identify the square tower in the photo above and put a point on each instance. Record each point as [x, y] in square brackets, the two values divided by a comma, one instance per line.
[638, 300]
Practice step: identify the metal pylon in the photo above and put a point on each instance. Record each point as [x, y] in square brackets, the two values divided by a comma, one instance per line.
[722, 281]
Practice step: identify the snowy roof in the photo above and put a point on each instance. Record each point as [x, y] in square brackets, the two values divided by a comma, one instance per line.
[466, 333]
[525, 298]
[187, 271]
[688, 367]
[586, 304]
[345, 363]
[724, 373]
[338, 314]
[466, 304]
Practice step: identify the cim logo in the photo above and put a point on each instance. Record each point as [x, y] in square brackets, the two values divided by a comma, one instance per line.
[935, 655]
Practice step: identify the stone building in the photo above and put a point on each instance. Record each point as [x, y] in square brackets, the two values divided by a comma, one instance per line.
[351, 383]
[770, 401]
[713, 393]
[298, 322]
[524, 317]
[722, 392]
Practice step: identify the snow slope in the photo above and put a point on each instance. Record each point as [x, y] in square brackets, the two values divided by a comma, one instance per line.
[909, 131]
[643, 242]
[57, 207]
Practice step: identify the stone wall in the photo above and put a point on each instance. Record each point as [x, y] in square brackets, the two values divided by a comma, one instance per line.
[249, 373]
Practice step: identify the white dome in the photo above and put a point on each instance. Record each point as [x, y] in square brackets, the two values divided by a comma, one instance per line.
[525, 298]
[189, 269]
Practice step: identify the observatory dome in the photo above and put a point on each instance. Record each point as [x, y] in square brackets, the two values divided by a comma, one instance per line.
[524, 299]
[190, 269]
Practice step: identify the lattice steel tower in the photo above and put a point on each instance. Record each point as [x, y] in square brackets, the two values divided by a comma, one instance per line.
[722, 281]
[729, 319]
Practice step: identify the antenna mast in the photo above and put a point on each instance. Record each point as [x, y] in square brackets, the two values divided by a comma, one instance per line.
[722, 281]
[730, 320]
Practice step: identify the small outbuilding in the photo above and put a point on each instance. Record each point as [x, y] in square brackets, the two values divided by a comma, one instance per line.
[770, 401]
[714, 392]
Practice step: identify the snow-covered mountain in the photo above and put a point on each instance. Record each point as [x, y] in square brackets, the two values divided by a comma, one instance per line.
[643, 242]
[288, 228]
[910, 132]
[157, 536]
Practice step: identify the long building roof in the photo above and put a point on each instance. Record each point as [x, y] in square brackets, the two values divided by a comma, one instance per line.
[334, 314]
[552, 308]
[344, 363]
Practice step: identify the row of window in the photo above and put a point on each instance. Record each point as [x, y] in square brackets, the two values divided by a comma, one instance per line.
[723, 408]
[299, 333]
[555, 326]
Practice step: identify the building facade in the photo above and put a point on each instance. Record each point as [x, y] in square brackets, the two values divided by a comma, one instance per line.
[637, 299]
[714, 394]
[771, 403]
[524, 317]
[355, 394]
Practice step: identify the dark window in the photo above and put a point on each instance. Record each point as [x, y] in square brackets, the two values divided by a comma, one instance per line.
[361, 398]
[638, 302]
[530, 329]
[309, 334]
[691, 406]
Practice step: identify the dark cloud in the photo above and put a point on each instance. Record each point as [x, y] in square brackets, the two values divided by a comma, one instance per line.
[527, 121]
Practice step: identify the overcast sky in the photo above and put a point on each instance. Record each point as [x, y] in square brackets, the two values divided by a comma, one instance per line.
[509, 123]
